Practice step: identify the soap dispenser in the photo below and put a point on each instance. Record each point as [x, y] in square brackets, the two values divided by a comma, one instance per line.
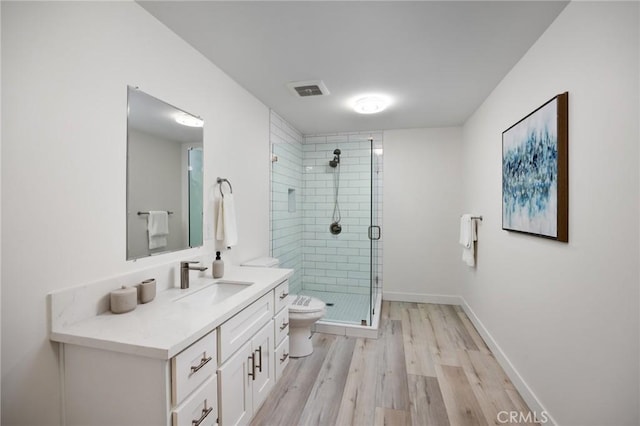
[218, 266]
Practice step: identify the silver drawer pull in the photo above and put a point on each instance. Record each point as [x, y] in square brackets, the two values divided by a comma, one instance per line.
[284, 358]
[284, 325]
[205, 413]
[283, 296]
[203, 362]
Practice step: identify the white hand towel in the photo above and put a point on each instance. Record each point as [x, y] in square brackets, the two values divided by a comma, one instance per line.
[468, 234]
[157, 228]
[466, 237]
[227, 229]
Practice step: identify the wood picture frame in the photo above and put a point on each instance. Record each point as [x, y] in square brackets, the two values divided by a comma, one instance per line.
[535, 172]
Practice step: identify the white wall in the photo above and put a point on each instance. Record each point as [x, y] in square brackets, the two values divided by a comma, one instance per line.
[421, 221]
[65, 72]
[566, 315]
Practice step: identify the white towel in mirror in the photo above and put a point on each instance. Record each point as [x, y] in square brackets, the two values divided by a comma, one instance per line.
[157, 228]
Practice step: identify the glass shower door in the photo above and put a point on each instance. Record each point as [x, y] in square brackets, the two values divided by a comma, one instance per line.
[374, 228]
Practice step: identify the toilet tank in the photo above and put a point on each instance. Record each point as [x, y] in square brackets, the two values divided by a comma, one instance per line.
[263, 262]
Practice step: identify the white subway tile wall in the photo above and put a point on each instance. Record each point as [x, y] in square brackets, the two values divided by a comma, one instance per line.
[302, 207]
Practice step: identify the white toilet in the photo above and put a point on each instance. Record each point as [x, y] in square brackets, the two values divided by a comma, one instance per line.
[304, 311]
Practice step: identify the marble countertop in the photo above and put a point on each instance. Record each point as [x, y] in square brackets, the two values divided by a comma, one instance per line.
[163, 328]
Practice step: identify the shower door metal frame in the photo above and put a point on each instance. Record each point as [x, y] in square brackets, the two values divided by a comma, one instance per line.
[374, 234]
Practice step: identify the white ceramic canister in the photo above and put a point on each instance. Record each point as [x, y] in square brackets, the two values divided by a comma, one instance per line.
[124, 300]
[147, 290]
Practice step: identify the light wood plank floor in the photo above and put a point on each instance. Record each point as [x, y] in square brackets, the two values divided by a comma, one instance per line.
[429, 366]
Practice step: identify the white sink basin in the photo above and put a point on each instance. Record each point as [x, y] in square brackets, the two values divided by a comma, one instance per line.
[215, 292]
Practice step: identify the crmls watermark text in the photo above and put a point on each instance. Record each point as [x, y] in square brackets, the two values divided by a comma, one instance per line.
[520, 417]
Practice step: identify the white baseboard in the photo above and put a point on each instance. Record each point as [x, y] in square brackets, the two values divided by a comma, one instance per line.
[443, 299]
[525, 391]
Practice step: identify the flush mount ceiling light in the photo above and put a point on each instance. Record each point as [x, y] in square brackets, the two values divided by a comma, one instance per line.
[371, 104]
[189, 120]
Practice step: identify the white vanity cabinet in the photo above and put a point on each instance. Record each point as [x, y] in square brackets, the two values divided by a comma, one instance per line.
[246, 374]
[144, 367]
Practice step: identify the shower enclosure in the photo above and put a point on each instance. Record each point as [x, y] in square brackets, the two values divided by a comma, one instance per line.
[326, 199]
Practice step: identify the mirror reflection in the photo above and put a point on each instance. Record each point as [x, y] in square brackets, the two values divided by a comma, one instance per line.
[164, 177]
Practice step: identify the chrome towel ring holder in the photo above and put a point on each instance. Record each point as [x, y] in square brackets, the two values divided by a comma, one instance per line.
[220, 181]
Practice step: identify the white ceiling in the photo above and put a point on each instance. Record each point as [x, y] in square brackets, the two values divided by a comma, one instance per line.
[438, 60]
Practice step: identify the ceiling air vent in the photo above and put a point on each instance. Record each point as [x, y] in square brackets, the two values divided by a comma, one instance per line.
[305, 89]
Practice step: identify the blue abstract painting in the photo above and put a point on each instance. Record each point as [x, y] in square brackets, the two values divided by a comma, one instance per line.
[530, 173]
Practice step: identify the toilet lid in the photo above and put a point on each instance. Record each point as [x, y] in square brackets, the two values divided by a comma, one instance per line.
[304, 304]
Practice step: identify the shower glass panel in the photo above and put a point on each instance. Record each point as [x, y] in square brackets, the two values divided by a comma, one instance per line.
[375, 230]
[195, 197]
[332, 237]
[286, 208]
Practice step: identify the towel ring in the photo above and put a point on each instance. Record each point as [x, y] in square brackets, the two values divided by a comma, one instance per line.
[220, 182]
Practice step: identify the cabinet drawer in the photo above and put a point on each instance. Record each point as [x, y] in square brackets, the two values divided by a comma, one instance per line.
[201, 408]
[192, 366]
[281, 325]
[281, 293]
[282, 357]
[238, 330]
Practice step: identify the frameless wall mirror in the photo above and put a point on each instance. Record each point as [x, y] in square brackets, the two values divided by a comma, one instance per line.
[164, 177]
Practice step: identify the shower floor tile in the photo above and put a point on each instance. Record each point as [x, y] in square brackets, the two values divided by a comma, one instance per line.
[346, 308]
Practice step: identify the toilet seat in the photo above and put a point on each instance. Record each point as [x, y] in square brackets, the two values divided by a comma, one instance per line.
[305, 304]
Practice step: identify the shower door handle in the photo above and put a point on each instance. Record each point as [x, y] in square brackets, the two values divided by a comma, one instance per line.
[377, 233]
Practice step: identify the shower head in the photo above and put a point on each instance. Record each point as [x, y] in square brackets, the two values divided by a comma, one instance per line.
[336, 158]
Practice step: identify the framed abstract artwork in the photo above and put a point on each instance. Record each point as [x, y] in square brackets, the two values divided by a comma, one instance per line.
[535, 172]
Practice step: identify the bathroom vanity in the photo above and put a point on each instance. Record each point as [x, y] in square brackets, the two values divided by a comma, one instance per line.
[206, 355]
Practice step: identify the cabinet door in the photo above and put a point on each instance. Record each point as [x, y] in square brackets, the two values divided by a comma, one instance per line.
[236, 381]
[263, 347]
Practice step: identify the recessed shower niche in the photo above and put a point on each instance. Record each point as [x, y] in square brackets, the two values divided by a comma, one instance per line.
[291, 200]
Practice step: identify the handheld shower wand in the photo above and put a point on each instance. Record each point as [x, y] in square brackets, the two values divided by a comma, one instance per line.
[335, 228]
